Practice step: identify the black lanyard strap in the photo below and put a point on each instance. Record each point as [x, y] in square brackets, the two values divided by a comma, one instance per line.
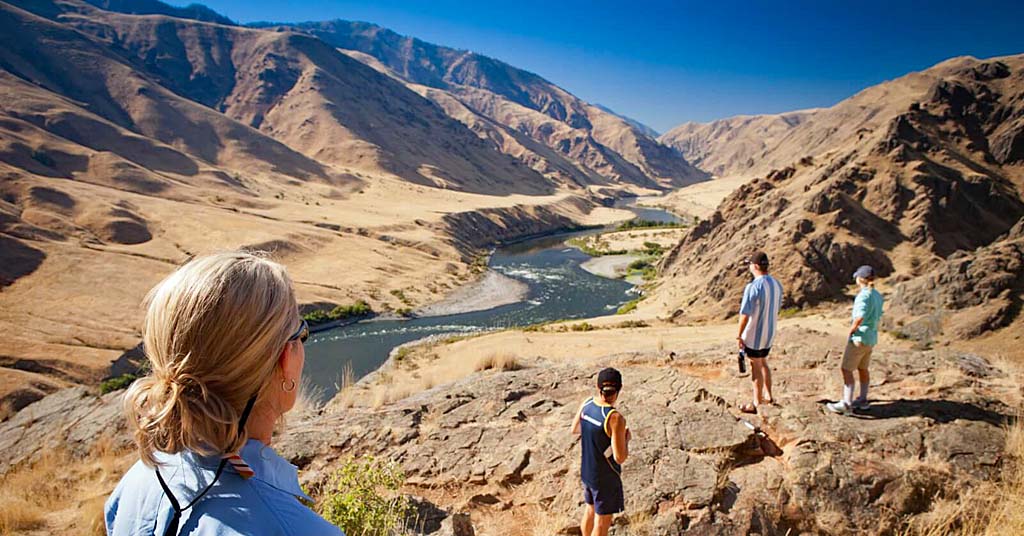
[172, 527]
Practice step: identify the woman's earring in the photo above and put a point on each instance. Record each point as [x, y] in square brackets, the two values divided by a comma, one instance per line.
[288, 386]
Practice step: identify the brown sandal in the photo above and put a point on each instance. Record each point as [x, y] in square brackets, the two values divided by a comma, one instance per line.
[749, 408]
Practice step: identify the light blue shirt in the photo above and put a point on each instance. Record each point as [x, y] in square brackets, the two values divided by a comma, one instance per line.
[867, 306]
[762, 299]
[267, 503]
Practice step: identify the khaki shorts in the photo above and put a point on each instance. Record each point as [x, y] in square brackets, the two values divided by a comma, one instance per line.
[856, 356]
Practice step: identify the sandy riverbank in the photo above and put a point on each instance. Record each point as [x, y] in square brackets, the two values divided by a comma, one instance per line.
[490, 291]
[610, 266]
[699, 200]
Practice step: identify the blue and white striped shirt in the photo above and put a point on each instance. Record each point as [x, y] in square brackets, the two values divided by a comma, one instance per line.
[761, 302]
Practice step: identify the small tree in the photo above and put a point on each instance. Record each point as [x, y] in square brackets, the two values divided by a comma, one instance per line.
[362, 498]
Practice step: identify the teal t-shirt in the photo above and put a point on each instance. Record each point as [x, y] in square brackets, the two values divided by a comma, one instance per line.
[867, 305]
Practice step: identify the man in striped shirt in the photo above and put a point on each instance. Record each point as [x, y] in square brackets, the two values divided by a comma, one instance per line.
[759, 314]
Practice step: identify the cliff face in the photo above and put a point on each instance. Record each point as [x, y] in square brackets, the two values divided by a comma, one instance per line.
[922, 192]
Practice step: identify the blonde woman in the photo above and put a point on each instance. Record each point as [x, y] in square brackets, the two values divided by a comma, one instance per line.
[863, 336]
[224, 339]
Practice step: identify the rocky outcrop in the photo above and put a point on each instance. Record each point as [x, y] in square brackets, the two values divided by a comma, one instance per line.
[975, 291]
[478, 229]
[500, 443]
[921, 192]
[497, 445]
[73, 419]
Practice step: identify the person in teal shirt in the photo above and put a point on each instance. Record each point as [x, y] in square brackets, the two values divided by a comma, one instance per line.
[863, 336]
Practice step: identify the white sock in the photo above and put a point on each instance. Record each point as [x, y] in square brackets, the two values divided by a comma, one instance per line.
[863, 391]
[848, 394]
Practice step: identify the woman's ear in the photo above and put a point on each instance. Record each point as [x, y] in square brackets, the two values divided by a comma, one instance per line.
[290, 361]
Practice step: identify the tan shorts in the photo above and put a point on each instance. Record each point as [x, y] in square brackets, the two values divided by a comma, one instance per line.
[856, 356]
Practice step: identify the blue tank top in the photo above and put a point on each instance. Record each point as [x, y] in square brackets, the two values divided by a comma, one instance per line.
[597, 467]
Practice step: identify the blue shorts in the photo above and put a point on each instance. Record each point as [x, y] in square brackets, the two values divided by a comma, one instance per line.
[607, 499]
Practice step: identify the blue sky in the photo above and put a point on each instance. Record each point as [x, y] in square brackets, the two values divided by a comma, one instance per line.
[665, 63]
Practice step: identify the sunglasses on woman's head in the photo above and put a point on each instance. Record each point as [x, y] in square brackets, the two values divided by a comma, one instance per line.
[302, 334]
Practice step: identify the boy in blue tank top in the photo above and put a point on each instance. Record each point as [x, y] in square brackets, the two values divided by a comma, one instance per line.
[604, 439]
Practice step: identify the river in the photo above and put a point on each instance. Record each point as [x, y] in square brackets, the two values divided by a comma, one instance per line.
[558, 289]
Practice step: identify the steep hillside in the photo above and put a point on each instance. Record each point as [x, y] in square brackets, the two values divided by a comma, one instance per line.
[751, 146]
[733, 146]
[644, 129]
[129, 143]
[587, 135]
[921, 192]
[155, 7]
[305, 94]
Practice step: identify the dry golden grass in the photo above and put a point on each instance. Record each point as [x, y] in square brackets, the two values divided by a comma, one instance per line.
[392, 394]
[498, 361]
[989, 509]
[309, 399]
[59, 493]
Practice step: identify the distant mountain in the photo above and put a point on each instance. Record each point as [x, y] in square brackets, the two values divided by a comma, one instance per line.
[154, 7]
[644, 129]
[914, 176]
[131, 142]
[514, 102]
[296, 90]
[733, 146]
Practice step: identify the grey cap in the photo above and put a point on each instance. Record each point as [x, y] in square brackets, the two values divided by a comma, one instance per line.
[865, 272]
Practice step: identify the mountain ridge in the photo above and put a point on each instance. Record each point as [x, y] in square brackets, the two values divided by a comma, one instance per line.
[584, 133]
[937, 178]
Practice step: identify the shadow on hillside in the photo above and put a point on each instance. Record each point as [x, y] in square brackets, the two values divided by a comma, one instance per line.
[942, 411]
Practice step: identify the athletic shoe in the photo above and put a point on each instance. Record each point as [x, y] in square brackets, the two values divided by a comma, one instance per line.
[839, 408]
[861, 404]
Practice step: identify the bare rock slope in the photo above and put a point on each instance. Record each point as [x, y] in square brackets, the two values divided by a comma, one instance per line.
[496, 445]
[930, 188]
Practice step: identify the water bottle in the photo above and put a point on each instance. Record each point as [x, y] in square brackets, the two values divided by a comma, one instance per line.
[740, 360]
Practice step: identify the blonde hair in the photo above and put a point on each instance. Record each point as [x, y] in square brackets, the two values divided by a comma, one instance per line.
[213, 332]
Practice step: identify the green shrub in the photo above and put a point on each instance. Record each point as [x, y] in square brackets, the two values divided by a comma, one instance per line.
[789, 312]
[633, 324]
[597, 249]
[400, 294]
[362, 498]
[117, 383]
[646, 224]
[341, 312]
[628, 307]
[583, 326]
[653, 248]
[639, 264]
[359, 308]
[402, 353]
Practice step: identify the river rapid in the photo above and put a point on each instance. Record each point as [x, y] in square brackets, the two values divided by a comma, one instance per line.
[557, 289]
